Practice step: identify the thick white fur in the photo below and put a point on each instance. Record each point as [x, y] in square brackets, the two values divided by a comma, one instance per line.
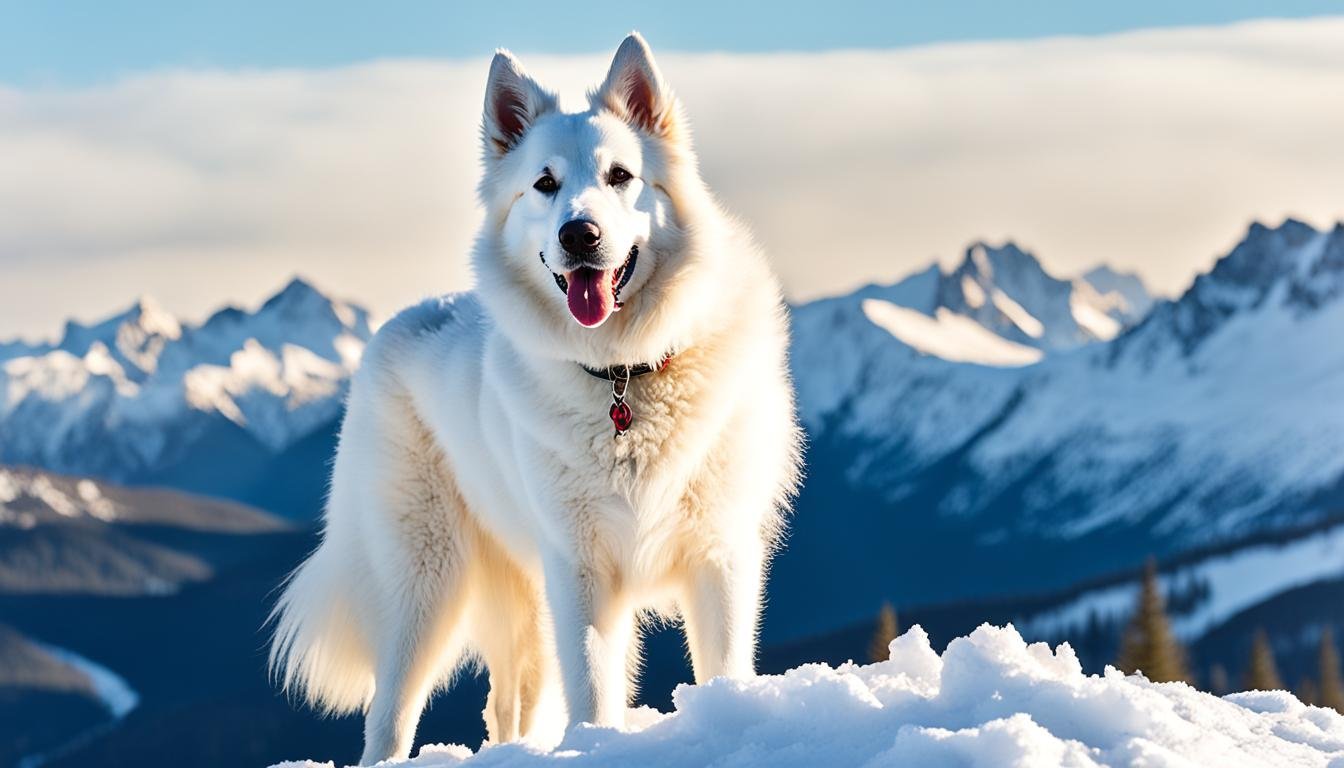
[481, 506]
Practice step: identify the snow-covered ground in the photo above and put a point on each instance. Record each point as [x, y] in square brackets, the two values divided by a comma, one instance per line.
[989, 700]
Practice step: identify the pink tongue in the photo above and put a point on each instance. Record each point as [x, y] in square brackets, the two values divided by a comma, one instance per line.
[590, 296]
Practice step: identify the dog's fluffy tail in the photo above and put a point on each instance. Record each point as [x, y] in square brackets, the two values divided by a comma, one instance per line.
[318, 650]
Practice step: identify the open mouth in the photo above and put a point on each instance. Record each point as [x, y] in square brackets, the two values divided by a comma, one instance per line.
[593, 294]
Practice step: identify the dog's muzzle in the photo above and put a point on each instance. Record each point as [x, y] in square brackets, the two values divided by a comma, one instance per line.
[619, 279]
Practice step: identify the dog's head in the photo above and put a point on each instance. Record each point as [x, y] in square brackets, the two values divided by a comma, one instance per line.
[582, 216]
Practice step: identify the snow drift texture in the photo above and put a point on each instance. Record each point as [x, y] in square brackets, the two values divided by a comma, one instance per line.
[989, 700]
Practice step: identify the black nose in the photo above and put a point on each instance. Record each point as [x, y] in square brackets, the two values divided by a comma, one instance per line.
[580, 236]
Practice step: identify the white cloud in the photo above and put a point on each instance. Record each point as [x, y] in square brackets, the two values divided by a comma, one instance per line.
[1147, 150]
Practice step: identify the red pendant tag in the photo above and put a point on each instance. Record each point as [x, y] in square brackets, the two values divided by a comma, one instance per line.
[621, 417]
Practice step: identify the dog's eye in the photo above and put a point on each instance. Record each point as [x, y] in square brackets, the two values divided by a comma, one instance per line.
[547, 185]
[618, 176]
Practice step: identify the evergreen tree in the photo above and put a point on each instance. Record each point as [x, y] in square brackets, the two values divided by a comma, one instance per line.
[1219, 684]
[1148, 646]
[887, 630]
[1263, 673]
[1308, 693]
[1331, 687]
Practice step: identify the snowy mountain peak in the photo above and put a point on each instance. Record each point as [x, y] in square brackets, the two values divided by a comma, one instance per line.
[1276, 274]
[297, 292]
[1007, 260]
[1007, 290]
[20, 348]
[298, 314]
[135, 337]
[997, 308]
[1217, 417]
[121, 395]
[1124, 291]
[150, 315]
[1320, 279]
[146, 315]
[301, 298]
[1261, 257]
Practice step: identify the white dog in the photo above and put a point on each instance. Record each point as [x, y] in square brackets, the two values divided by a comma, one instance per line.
[604, 428]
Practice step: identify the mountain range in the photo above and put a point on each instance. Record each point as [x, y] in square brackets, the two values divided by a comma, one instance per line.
[1047, 429]
[142, 398]
[987, 442]
[1214, 417]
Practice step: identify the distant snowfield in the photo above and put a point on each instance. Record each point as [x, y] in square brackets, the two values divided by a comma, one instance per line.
[116, 695]
[14, 486]
[989, 700]
[1235, 581]
[948, 335]
[112, 690]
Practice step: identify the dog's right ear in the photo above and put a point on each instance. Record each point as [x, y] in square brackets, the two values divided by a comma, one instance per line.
[513, 102]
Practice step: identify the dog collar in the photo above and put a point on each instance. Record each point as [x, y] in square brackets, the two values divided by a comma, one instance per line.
[620, 375]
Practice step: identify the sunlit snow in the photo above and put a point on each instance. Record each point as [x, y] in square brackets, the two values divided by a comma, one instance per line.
[990, 699]
[948, 335]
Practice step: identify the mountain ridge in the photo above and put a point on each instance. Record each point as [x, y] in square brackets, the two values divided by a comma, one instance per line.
[1214, 417]
[134, 393]
[951, 423]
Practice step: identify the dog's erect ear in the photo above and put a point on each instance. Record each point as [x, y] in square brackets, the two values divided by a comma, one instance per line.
[635, 91]
[513, 102]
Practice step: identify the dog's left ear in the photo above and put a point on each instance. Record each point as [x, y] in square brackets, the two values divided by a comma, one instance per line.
[635, 91]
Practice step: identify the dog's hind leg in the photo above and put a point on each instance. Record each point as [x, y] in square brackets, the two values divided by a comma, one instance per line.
[424, 587]
[507, 631]
[412, 660]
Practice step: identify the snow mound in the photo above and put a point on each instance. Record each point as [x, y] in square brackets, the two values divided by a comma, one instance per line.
[989, 700]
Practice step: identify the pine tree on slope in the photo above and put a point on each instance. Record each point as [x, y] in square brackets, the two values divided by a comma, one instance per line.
[1262, 674]
[1308, 693]
[888, 628]
[1148, 645]
[1331, 691]
[1219, 683]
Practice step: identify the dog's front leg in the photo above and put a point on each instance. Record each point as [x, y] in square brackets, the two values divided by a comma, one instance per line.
[721, 610]
[593, 631]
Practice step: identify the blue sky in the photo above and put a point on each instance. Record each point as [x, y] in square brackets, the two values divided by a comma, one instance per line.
[67, 43]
